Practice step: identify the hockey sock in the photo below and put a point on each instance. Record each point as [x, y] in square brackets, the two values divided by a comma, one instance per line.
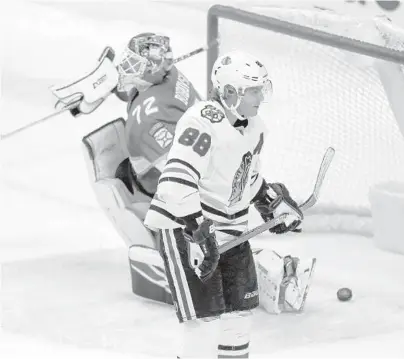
[235, 331]
[200, 339]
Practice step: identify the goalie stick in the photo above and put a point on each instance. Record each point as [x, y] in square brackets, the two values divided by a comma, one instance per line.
[233, 241]
[58, 112]
[77, 103]
[197, 51]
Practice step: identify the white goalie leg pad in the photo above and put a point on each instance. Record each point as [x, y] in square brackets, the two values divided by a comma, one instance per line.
[235, 330]
[283, 282]
[270, 273]
[200, 338]
[296, 284]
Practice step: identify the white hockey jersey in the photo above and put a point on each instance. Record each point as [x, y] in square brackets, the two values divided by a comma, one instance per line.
[212, 170]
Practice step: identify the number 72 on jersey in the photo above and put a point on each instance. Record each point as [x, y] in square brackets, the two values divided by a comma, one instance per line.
[147, 107]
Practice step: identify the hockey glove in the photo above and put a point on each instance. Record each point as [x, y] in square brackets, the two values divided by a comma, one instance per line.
[204, 236]
[278, 203]
[89, 91]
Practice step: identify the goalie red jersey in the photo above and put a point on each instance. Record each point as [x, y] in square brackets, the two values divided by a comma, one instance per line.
[152, 117]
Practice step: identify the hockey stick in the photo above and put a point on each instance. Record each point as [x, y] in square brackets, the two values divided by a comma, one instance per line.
[108, 52]
[77, 103]
[58, 112]
[310, 202]
[234, 241]
[197, 51]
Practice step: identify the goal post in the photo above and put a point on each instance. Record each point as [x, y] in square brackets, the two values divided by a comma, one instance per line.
[338, 81]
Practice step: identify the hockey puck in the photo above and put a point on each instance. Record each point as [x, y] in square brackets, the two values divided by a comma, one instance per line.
[344, 294]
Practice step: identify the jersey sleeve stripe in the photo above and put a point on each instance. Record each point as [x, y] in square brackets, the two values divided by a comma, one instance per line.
[180, 220]
[179, 180]
[216, 212]
[231, 232]
[179, 171]
[186, 164]
[180, 176]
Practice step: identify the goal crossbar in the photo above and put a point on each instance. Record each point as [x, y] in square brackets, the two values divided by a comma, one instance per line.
[287, 28]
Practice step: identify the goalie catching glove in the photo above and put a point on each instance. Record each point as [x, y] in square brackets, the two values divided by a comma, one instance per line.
[86, 94]
[274, 200]
[204, 236]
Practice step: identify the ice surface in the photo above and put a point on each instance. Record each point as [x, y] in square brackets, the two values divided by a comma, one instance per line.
[65, 279]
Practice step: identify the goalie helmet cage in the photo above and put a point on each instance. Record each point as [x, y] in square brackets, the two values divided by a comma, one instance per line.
[338, 81]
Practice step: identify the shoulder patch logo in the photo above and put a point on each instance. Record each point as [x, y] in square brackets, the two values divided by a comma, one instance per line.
[212, 113]
[163, 137]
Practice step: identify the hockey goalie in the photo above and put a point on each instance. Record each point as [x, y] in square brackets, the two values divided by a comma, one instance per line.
[125, 159]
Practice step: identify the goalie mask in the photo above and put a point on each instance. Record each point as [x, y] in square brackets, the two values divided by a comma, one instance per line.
[245, 76]
[146, 60]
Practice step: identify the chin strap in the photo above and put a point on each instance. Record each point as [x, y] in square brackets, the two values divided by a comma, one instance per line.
[241, 120]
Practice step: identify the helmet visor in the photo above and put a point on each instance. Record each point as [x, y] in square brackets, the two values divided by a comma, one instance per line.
[263, 92]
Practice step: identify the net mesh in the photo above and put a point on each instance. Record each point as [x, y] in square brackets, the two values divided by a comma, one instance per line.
[323, 97]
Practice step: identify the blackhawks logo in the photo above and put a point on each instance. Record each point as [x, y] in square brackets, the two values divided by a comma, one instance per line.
[240, 179]
[212, 113]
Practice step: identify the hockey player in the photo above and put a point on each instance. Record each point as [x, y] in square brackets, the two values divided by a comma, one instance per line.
[158, 96]
[211, 177]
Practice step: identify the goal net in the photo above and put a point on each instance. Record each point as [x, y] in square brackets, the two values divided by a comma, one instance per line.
[325, 96]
